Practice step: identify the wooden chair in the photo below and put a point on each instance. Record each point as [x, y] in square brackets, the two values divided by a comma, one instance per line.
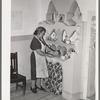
[15, 76]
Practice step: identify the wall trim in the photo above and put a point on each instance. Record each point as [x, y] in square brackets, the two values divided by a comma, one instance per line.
[21, 37]
[71, 96]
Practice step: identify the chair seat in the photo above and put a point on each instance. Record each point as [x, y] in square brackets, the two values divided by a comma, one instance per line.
[17, 78]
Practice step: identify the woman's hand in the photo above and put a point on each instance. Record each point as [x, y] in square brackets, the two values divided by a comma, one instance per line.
[49, 55]
[56, 54]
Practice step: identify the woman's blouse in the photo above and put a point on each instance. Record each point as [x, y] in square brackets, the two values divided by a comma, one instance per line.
[35, 44]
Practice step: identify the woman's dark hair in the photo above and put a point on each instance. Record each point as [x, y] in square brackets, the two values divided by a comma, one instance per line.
[39, 30]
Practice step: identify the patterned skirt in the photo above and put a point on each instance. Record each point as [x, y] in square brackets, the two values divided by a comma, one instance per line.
[54, 80]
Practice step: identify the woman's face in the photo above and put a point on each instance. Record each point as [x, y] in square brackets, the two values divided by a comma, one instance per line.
[41, 34]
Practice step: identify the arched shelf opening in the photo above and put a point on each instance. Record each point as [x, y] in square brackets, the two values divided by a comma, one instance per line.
[71, 17]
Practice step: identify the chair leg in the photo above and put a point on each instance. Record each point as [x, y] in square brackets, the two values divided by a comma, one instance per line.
[17, 86]
[24, 86]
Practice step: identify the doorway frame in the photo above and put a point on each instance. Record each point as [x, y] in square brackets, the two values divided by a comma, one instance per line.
[85, 61]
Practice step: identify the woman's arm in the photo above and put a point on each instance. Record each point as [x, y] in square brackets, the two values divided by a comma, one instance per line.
[42, 53]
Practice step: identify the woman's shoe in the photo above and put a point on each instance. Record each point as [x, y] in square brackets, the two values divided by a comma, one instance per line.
[41, 88]
[33, 90]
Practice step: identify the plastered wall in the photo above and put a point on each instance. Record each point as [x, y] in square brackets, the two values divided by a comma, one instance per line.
[25, 14]
[24, 52]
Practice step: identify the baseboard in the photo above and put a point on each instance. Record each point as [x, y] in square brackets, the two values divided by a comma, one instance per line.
[71, 96]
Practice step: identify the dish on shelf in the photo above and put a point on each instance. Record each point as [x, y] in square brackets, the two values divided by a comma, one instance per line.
[59, 48]
[50, 39]
[53, 36]
[62, 49]
[53, 46]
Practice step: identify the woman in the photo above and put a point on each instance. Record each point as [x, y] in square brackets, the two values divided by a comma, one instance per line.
[38, 61]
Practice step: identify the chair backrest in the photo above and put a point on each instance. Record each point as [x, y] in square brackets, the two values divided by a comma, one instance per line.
[14, 63]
